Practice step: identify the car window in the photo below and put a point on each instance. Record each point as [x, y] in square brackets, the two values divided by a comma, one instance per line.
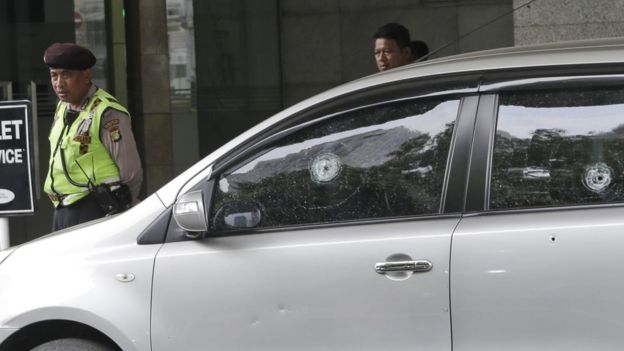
[558, 147]
[383, 161]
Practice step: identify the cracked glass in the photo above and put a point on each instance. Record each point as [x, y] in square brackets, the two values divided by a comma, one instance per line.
[558, 147]
[384, 161]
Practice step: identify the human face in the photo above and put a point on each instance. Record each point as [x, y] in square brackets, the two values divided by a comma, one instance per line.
[70, 86]
[389, 55]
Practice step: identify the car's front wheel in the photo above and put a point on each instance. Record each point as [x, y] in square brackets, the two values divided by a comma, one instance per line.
[72, 344]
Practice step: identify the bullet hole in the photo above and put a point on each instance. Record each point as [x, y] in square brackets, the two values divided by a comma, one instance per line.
[598, 177]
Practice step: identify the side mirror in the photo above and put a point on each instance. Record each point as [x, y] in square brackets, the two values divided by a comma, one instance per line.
[190, 214]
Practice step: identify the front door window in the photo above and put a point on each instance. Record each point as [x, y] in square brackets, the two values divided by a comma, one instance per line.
[383, 161]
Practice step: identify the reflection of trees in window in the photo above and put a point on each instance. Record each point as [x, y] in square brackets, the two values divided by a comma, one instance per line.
[417, 172]
[556, 167]
[388, 172]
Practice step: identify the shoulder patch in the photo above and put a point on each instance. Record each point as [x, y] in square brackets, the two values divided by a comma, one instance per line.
[111, 123]
[114, 134]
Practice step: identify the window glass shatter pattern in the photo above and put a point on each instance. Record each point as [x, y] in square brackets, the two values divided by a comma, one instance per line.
[383, 161]
[560, 147]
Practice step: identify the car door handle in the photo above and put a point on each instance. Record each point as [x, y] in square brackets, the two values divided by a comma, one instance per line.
[403, 266]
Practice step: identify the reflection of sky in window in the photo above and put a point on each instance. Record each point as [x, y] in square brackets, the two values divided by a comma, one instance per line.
[521, 122]
[432, 122]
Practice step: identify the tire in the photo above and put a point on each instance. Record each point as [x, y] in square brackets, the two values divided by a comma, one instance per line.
[71, 344]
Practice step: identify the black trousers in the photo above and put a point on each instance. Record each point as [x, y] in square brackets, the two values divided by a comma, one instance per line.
[83, 210]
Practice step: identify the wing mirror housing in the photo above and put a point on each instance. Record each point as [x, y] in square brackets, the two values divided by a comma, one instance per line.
[190, 213]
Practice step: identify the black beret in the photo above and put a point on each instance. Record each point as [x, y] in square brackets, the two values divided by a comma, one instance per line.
[68, 56]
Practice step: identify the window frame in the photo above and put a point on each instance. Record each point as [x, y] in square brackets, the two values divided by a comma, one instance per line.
[268, 147]
[455, 172]
[464, 87]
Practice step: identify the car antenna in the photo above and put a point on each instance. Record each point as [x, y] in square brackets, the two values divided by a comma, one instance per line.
[472, 31]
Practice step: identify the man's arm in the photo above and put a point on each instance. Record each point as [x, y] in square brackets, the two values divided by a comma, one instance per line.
[116, 135]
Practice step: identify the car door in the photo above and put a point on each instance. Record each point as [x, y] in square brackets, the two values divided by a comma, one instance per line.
[333, 237]
[536, 265]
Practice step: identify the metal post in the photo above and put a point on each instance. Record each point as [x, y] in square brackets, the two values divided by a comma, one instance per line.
[4, 233]
[32, 95]
[7, 94]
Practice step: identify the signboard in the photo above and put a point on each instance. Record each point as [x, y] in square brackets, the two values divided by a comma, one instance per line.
[16, 161]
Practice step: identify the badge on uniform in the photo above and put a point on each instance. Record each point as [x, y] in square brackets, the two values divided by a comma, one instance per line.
[84, 148]
[114, 134]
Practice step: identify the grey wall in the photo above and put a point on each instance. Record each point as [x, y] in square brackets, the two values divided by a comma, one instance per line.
[546, 21]
[256, 57]
[237, 66]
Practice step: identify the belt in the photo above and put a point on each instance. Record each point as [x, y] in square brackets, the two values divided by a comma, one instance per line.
[60, 197]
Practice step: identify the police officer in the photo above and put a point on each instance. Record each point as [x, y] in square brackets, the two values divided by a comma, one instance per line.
[94, 167]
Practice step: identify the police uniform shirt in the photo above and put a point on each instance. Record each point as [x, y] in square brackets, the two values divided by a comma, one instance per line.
[121, 145]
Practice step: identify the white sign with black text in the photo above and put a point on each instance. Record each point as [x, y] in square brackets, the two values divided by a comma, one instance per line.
[16, 163]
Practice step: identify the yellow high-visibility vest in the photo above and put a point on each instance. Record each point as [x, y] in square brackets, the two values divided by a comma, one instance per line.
[77, 153]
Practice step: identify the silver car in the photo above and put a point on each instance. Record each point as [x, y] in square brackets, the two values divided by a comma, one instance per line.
[467, 203]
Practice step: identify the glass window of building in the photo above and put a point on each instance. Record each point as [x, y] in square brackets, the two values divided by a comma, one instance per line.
[89, 18]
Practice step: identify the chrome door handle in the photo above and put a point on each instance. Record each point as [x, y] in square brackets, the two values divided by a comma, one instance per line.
[403, 266]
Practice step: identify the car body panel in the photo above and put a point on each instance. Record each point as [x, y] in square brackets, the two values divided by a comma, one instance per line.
[6, 332]
[548, 280]
[74, 276]
[304, 290]
[6, 253]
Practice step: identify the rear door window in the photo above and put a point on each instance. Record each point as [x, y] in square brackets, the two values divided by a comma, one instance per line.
[558, 147]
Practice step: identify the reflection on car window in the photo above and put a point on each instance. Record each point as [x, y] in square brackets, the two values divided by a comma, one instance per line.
[382, 161]
[558, 148]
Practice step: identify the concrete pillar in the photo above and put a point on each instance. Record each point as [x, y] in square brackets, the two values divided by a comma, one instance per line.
[148, 88]
[116, 50]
